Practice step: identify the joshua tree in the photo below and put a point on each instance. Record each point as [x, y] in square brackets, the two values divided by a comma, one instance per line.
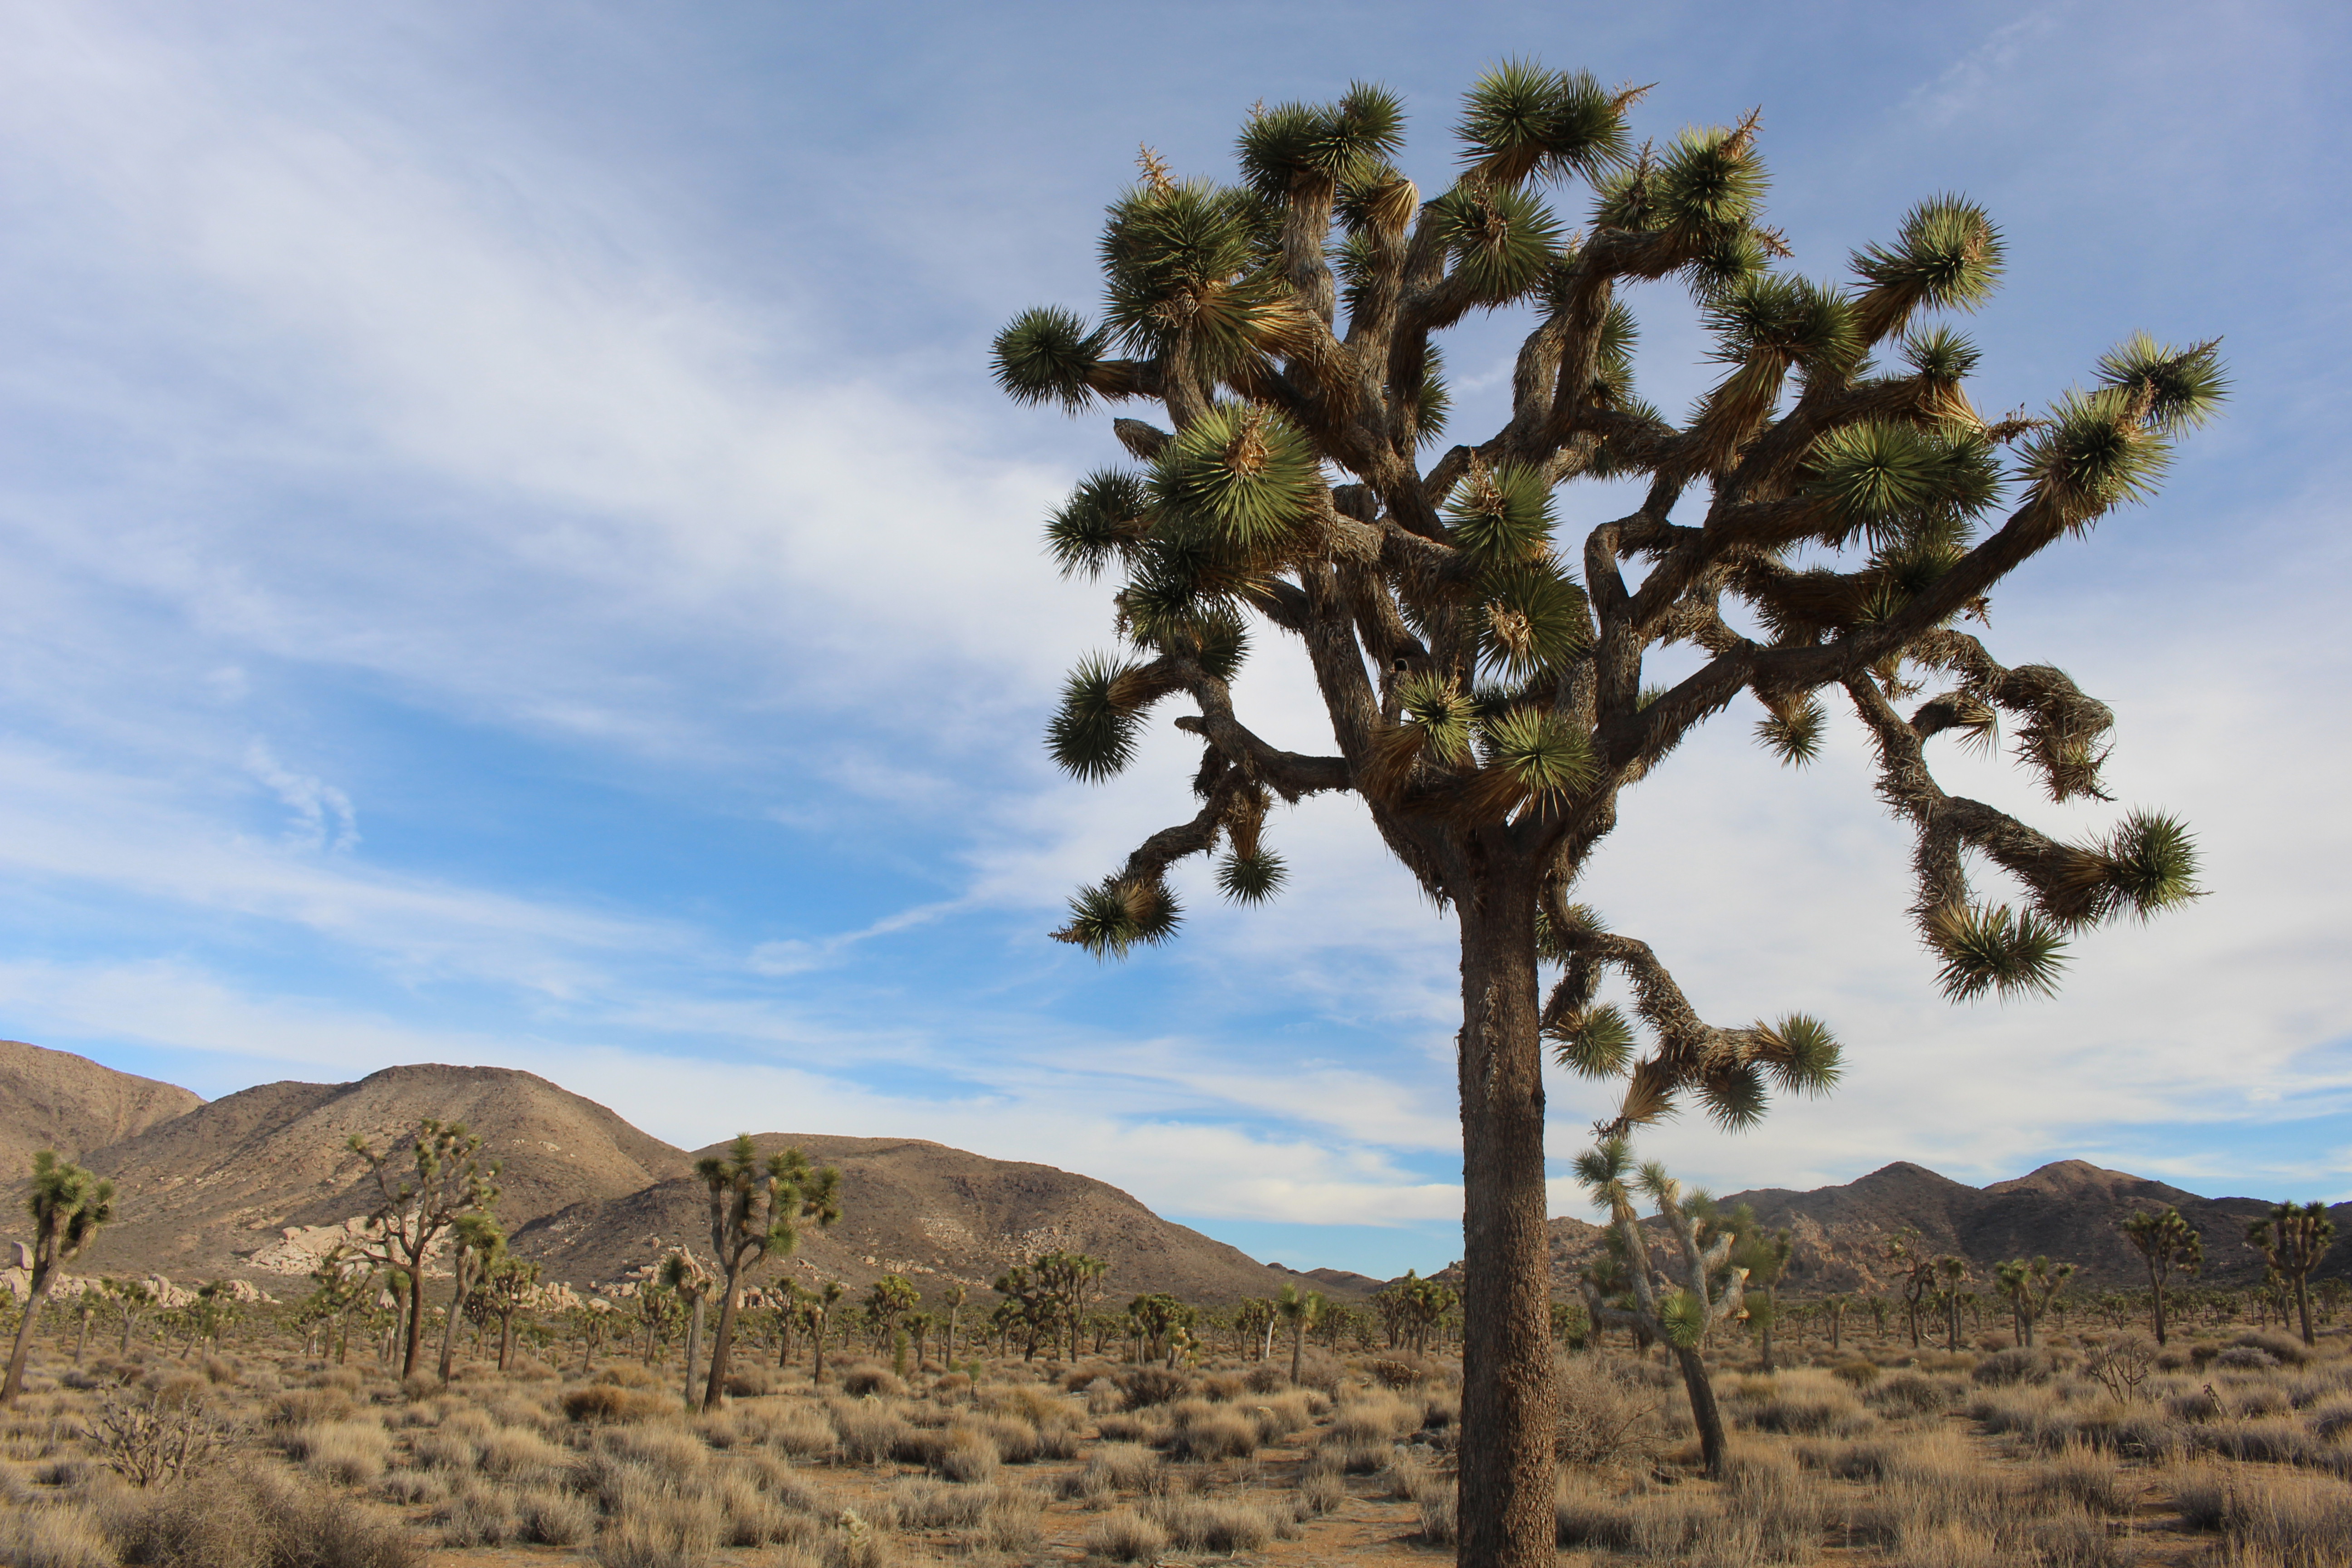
[68, 1207]
[1821, 524]
[756, 1207]
[1918, 1271]
[1764, 1255]
[821, 1315]
[1833, 1310]
[684, 1275]
[131, 1300]
[1951, 1274]
[1679, 1312]
[1071, 1280]
[509, 1285]
[1299, 1312]
[2295, 1240]
[448, 1178]
[888, 1301]
[2030, 1286]
[477, 1245]
[2166, 1241]
[953, 1297]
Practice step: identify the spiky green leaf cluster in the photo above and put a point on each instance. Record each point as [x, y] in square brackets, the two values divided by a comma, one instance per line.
[1243, 471]
[1596, 1042]
[2094, 451]
[1502, 238]
[1104, 516]
[1441, 710]
[1117, 914]
[1947, 256]
[1092, 736]
[1521, 121]
[2181, 388]
[1684, 1317]
[1252, 878]
[1323, 143]
[1782, 320]
[1800, 1054]
[1940, 355]
[1543, 753]
[1892, 481]
[1993, 948]
[2145, 866]
[1793, 732]
[1191, 259]
[1044, 355]
[1535, 620]
[1501, 515]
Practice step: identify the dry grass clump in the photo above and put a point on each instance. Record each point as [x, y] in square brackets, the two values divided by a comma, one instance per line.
[1206, 1431]
[1801, 1404]
[968, 1454]
[1114, 1468]
[244, 1517]
[53, 1537]
[863, 1378]
[1212, 1524]
[1127, 1536]
[1374, 1415]
[351, 1453]
[868, 1432]
[660, 1528]
[2289, 1520]
[600, 1403]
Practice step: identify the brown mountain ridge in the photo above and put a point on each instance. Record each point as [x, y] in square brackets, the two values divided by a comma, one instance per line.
[258, 1184]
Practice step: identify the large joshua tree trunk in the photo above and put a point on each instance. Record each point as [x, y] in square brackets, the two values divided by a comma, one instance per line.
[1712, 1445]
[1508, 1402]
[722, 1345]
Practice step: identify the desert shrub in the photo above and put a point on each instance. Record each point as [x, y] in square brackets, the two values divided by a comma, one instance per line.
[2003, 1368]
[1374, 1416]
[444, 1449]
[1267, 1377]
[1205, 1431]
[1402, 1370]
[1278, 1417]
[1438, 1507]
[2279, 1347]
[2084, 1477]
[869, 1434]
[1012, 1521]
[600, 1403]
[479, 1515]
[951, 1386]
[859, 1544]
[1127, 1536]
[669, 1454]
[918, 1504]
[1152, 1386]
[625, 1375]
[863, 1378]
[748, 1381]
[1857, 1374]
[53, 1537]
[555, 1517]
[1017, 1441]
[1207, 1524]
[1605, 1418]
[2277, 1441]
[1809, 1405]
[1222, 1387]
[1133, 1429]
[2295, 1522]
[752, 1516]
[1907, 1393]
[247, 1518]
[1114, 1468]
[801, 1432]
[2330, 1420]
[350, 1452]
[523, 1457]
[660, 1528]
[2245, 1358]
[1320, 1493]
[310, 1406]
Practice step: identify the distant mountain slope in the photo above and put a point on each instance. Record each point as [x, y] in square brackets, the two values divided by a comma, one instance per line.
[207, 1192]
[936, 1214]
[54, 1099]
[2070, 1211]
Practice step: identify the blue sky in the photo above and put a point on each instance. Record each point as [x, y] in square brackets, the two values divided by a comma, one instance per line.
[510, 553]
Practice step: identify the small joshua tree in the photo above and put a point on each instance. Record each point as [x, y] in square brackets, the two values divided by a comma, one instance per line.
[476, 1247]
[131, 1300]
[1821, 526]
[1678, 1311]
[1764, 1253]
[68, 1207]
[756, 1207]
[953, 1299]
[1915, 1271]
[1299, 1309]
[2165, 1241]
[1069, 1281]
[447, 1178]
[690, 1281]
[510, 1286]
[888, 1301]
[2030, 1286]
[2295, 1240]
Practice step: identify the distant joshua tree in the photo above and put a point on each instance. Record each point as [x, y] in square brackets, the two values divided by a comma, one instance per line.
[1298, 1310]
[687, 1279]
[68, 1207]
[1681, 1311]
[477, 1245]
[1917, 1269]
[2029, 1287]
[509, 1285]
[1764, 1253]
[447, 1178]
[1069, 1282]
[2165, 1240]
[953, 1299]
[889, 1301]
[1818, 527]
[2295, 1240]
[756, 1209]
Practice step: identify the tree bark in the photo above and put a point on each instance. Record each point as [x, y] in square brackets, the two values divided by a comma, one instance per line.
[414, 1333]
[2156, 1291]
[1704, 1413]
[1509, 1406]
[693, 1346]
[33, 1301]
[721, 1344]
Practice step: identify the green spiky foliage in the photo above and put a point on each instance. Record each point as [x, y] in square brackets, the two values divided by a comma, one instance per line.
[758, 1207]
[1825, 526]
